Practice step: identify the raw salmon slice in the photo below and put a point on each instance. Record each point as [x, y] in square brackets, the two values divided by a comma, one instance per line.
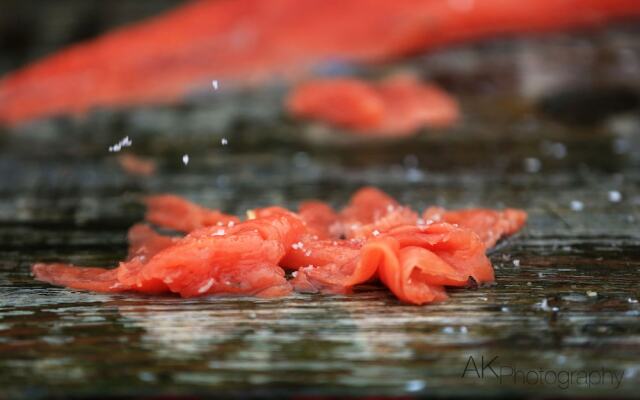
[320, 219]
[411, 105]
[367, 205]
[242, 260]
[145, 242]
[396, 106]
[416, 275]
[344, 102]
[373, 237]
[371, 212]
[309, 252]
[459, 247]
[489, 225]
[173, 212]
[398, 216]
[414, 262]
[83, 278]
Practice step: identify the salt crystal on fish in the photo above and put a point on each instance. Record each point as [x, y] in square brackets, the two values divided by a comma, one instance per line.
[206, 286]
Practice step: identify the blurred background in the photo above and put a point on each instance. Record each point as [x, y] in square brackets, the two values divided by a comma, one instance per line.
[33, 29]
[531, 88]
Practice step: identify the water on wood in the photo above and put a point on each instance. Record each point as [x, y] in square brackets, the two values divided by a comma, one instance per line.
[566, 297]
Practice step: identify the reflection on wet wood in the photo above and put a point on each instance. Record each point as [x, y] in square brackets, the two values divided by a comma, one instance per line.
[566, 297]
[585, 264]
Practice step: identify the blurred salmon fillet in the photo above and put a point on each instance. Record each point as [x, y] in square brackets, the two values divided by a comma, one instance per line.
[245, 42]
[397, 106]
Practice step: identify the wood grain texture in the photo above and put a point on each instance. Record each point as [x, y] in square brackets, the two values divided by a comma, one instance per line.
[64, 198]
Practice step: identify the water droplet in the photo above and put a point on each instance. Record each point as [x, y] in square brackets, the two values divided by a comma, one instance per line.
[411, 161]
[576, 205]
[146, 376]
[575, 297]
[532, 165]
[554, 149]
[614, 196]
[558, 150]
[544, 306]
[621, 146]
[415, 386]
[414, 175]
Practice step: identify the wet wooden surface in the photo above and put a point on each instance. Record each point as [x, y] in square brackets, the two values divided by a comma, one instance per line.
[566, 297]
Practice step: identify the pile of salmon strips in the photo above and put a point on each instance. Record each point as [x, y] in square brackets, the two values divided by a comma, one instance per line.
[373, 238]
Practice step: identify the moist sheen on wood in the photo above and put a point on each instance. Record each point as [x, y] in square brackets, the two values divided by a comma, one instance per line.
[566, 297]
[55, 341]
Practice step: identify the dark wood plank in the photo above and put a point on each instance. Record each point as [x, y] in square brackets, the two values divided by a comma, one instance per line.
[566, 293]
